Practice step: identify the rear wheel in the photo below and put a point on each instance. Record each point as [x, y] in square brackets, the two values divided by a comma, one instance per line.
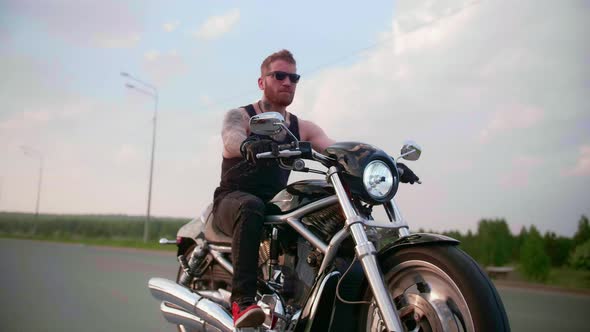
[437, 288]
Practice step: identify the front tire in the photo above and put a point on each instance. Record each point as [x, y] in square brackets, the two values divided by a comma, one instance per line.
[437, 288]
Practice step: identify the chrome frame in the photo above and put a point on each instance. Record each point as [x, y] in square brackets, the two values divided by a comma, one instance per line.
[398, 219]
[222, 249]
[226, 264]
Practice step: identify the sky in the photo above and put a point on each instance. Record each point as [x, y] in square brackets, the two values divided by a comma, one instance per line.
[494, 91]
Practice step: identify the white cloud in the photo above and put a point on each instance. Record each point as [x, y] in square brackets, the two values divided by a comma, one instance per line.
[163, 67]
[127, 153]
[170, 26]
[206, 101]
[42, 116]
[26, 119]
[37, 116]
[105, 24]
[151, 55]
[76, 108]
[447, 77]
[216, 26]
[399, 76]
[520, 172]
[118, 41]
[511, 118]
[582, 167]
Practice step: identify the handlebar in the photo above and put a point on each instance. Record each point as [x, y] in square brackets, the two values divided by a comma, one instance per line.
[290, 150]
[280, 154]
[401, 172]
[297, 149]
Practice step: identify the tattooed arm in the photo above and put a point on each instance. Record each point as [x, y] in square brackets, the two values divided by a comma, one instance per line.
[234, 131]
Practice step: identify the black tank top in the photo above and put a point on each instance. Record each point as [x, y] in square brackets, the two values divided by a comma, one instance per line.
[262, 181]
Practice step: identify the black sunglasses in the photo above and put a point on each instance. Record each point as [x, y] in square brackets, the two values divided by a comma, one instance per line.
[281, 75]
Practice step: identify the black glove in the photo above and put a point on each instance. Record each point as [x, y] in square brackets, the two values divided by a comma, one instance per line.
[406, 174]
[251, 147]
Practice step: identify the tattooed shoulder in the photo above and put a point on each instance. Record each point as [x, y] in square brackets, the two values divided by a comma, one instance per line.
[235, 118]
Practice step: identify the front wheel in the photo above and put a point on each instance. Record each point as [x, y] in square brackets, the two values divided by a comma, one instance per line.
[437, 288]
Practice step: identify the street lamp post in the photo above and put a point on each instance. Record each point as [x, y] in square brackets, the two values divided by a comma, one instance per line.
[154, 94]
[32, 152]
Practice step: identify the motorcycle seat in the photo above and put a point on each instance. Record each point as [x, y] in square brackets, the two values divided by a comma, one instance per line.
[213, 235]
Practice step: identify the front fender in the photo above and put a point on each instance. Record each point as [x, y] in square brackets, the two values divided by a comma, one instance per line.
[412, 240]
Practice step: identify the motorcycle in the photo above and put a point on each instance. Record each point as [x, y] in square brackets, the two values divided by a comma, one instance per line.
[325, 264]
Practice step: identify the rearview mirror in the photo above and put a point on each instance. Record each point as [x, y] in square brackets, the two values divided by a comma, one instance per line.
[269, 123]
[411, 150]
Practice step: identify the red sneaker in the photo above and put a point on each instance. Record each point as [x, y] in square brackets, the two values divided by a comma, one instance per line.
[251, 316]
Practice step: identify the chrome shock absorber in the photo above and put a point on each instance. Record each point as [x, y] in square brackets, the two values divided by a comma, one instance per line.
[274, 256]
[191, 268]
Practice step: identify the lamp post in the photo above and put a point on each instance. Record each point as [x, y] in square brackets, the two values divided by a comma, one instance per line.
[154, 94]
[32, 153]
[0, 190]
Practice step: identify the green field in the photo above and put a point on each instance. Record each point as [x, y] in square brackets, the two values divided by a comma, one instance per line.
[562, 277]
[569, 278]
[113, 230]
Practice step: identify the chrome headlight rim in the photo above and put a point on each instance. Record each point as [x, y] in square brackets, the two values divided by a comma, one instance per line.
[379, 170]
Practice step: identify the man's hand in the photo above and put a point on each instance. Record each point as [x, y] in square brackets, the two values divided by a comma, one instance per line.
[406, 174]
[251, 147]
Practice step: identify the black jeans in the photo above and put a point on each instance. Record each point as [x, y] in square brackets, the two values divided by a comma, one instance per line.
[241, 215]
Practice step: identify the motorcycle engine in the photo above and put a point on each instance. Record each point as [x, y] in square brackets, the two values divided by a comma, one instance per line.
[297, 275]
[325, 223]
[300, 261]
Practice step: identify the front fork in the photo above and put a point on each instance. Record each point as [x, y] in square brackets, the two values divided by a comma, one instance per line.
[367, 255]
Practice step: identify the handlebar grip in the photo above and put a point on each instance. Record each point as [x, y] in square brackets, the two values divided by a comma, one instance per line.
[281, 154]
[264, 155]
[401, 172]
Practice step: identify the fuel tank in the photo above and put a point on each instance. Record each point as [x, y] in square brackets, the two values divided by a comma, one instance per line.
[298, 194]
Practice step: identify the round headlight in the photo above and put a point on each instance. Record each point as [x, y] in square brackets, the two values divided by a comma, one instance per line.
[378, 179]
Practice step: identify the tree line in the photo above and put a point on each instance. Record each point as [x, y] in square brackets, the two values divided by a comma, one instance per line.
[536, 253]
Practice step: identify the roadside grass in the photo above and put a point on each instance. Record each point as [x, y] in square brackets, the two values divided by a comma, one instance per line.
[562, 277]
[123, 243]
[569, 278]
[103, 230]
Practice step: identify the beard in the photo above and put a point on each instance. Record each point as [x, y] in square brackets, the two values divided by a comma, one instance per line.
[282, 99]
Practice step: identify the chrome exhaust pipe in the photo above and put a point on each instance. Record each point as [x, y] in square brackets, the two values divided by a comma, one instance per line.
[183, 307]
[178, 316]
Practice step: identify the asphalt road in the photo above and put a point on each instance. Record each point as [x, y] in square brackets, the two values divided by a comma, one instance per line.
[65, 287]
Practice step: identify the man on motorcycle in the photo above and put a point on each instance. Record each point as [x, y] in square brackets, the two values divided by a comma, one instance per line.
[247, 183]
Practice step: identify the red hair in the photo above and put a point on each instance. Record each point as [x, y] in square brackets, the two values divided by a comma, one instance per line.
[284, 55]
